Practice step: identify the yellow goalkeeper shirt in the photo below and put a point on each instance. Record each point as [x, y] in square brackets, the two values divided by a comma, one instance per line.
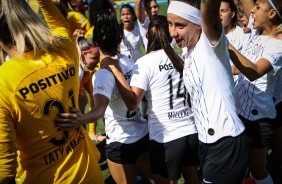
[32, 91]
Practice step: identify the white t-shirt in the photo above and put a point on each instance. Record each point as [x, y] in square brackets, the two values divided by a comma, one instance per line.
[208, 79]
[255, 99]
[143, 29]
[120, 126]
[237, 38]
[131, 43]
[169, 116]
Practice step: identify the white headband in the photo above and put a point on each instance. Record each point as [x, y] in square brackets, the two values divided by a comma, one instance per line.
[271, 3]
[185, 11]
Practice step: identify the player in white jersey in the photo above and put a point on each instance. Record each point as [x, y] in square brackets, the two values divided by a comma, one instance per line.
[127, 131]
[208, 79]
[132, 39]
[234, 33]
[144, 13]
[173, 134]
[260, 66]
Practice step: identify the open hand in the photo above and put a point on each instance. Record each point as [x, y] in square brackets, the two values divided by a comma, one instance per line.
[69, 121]
[110, 64]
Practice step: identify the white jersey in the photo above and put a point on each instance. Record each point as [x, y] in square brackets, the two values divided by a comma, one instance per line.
[120, 124]
[131, 43]
[208, 79]
[255, 99]
[143, 29]
[237, 38]
[169, 116]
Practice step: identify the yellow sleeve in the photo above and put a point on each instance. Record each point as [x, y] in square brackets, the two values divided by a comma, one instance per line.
[8, 151]
[89, 33]
[92, 128]
[55, 20]
[77, 20]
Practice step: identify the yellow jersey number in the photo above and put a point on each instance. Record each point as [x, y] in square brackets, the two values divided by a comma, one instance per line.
[55, 103]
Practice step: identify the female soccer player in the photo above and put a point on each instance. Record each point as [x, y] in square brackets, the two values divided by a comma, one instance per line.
[90, 63]
[127, 139]
[260, 63]
[144, 14]
[132, 39]
[40, 80]
[173, 135]
[234, 33]
[223, 146]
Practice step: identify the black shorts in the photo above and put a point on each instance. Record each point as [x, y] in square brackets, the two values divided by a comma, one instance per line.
[278, 119]
[126, 153]
[225, 161]
[259, 131]
[167, 158]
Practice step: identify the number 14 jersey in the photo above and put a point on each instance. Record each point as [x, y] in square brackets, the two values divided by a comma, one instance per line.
[169, 114]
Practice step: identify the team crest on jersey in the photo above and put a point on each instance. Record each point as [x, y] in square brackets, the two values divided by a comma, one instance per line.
[257, 49]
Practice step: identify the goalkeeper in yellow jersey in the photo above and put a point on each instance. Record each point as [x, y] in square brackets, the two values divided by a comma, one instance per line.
[39, 81]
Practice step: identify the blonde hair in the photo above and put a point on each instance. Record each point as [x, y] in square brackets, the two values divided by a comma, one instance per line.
[22, 29]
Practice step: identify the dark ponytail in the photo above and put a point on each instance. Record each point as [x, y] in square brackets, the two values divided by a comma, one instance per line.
[159, 38]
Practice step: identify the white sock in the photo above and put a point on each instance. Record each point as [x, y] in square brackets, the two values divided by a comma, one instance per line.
[266, 180]
[152, 181]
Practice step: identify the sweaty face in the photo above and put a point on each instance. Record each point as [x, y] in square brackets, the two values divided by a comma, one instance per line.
[126, 18]
[260, 14]
[152, 9]
[226, 14]
[185, 33]
[91, 59]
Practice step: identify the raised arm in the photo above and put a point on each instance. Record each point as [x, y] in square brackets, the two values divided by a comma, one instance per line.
[139, 11]
[211, 23]
[55, 20]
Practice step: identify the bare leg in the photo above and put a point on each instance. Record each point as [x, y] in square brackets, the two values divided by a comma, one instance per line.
[257, 163]
[123, 173]
[190, 175]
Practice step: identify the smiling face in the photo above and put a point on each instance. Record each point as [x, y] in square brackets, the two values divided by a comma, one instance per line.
[185, 33]
[126, 18]
[91, 58]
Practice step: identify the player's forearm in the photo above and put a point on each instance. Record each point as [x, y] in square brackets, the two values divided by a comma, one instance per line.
[125, 91]
[139, 11]
[211, 23]
[244, 65]
[93, 115]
